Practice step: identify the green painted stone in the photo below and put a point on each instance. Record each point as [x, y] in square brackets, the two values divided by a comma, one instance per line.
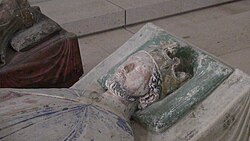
[207, 71]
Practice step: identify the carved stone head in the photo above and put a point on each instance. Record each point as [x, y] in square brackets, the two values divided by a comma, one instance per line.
[148, 75]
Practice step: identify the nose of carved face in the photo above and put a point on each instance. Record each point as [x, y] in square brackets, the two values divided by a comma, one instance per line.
[128, 68]
[135, 81]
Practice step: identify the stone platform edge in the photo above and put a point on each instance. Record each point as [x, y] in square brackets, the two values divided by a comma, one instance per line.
[132, 15]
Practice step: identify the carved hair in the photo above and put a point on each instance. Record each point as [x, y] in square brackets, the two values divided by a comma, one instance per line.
[163, 69]
[119, 90]
[155, 89]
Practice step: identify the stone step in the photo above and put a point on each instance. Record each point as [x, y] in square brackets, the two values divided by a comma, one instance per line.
[144, 10]
[32, 2]
[83, 16]
[217, 36]
[90, 16]
[221, 35]
[227, 37]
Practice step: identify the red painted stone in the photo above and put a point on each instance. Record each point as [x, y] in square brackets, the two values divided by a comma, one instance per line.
[53, 63]
[47, 55]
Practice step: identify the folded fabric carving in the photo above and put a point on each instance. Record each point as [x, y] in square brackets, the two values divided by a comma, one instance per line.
[34, 50]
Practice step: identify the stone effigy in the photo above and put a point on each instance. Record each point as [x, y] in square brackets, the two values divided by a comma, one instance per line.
[144, 77]
[153, 70]
[35, 50]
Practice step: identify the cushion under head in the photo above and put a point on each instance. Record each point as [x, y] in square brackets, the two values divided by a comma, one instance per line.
[207, 71]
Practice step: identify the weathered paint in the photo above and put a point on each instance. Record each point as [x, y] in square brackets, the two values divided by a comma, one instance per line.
[208, 72]
[31, 116]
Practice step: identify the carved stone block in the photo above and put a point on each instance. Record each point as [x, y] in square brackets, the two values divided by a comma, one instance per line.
[34, 50]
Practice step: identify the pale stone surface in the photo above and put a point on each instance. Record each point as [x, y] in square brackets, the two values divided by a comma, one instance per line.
[37, 1]
[188, 5]
[109, 41]
[96, 23]
[91, 56]
[83, 16]
[95, 48]
[217, 12]
[143, 10]
[218, 37]
[89, 16]
[199, 16]
[239, 59]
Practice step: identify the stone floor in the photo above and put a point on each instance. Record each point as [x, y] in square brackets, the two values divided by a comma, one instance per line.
[90, 16]
[223, 30]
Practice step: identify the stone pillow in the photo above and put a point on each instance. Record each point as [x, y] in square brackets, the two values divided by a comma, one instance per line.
[39, 32]
[207, 71]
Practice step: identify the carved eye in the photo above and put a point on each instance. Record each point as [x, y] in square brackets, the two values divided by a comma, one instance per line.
[128, 68]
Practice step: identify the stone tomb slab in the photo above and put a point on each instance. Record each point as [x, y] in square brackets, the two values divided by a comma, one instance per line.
[196, 123]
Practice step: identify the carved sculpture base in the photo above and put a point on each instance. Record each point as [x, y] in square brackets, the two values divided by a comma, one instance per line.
[53, 63]
[34, 50]
[223, 116]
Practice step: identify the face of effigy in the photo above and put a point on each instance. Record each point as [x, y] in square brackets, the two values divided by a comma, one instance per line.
[132, 77]
[147, 77]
